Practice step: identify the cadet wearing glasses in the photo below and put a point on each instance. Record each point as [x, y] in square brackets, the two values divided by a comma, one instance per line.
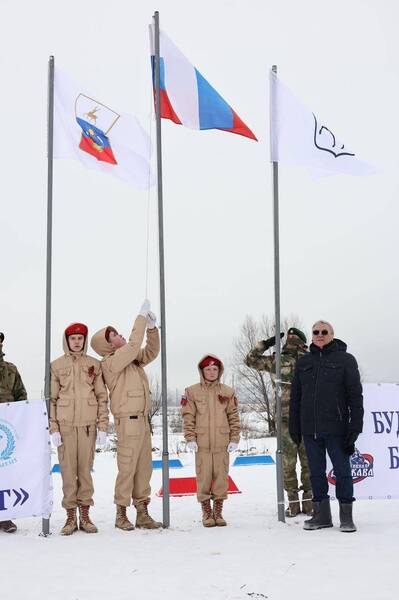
[326, 408]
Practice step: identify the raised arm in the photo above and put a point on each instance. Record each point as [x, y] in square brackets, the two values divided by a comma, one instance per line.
[255, 358]
[122, 357]
[151, 349]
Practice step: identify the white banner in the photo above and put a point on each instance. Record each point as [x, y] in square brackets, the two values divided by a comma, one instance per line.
[25, 460]
[375, 464]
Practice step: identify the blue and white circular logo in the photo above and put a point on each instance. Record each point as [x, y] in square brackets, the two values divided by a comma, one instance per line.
[7, 444]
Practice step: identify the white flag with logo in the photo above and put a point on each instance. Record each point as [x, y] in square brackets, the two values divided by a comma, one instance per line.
[25, 460]
[97, 135]
[298, 136]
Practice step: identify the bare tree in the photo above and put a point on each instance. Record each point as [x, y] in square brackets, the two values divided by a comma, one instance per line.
[255, 387]
[156, 397]
[175, 420]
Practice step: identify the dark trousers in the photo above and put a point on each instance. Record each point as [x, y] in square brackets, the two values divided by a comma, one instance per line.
[316, 453]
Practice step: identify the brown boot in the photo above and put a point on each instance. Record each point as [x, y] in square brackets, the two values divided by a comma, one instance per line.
[143, 519]
[85, 523]
[8, 526]
[207, 514]
[294, 507]
[307, 506]
[217, 513]
[121, 521]
[71, 524]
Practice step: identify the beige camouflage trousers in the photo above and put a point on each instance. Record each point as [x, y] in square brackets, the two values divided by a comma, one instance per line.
[291, 453]
[76, 455]
[212, 470]
[134, 460]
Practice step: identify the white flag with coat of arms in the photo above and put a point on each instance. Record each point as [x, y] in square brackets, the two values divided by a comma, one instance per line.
[298, 136]
[98, 136]
[25, 460]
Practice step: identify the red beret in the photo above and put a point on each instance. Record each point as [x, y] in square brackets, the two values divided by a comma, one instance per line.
[208, 361]
[76, 328]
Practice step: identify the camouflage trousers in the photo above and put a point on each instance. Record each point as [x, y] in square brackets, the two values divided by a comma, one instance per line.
[291, 452]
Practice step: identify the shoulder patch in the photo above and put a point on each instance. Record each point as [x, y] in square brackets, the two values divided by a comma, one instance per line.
[183, 401]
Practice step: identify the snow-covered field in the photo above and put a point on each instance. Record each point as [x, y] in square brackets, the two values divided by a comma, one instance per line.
[254, 557]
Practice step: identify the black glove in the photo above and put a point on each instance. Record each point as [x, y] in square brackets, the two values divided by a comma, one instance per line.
[271, 341]
[296, 438]
[349, 442]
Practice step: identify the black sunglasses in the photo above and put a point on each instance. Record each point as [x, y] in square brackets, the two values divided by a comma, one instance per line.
[322, 332]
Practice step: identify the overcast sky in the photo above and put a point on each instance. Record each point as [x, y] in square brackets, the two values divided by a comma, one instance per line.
[339, 235]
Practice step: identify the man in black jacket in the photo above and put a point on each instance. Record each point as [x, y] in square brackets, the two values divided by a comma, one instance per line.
[326, 408]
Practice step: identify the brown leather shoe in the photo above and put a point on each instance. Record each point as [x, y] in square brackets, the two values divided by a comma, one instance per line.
[71, 524]
[8, 526]
[85, 523]
[122, 522]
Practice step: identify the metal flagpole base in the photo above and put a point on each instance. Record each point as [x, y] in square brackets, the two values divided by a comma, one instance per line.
[45, 532]
[280, 486]
[165, 478]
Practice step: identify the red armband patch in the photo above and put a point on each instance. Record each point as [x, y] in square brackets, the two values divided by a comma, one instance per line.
[183, 401]
[223, 399]
[92, 372]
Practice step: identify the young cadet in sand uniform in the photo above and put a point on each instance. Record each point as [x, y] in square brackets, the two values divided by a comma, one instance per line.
[211, 429]
[78, 407]
[122, 366]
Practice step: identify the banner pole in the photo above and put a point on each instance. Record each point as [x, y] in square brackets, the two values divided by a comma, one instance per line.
[279, 451]
[165, 446]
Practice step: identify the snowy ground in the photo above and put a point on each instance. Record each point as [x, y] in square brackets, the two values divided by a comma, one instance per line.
[254, 557]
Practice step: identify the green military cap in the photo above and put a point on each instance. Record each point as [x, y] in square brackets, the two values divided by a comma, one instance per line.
[298, 333]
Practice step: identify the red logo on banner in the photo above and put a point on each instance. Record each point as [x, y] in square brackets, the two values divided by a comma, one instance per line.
[362, 466]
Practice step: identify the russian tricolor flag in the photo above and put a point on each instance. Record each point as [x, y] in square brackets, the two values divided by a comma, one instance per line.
[186, 96]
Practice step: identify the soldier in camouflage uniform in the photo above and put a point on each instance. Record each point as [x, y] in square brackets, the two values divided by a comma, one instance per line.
[11, 390]
[294, 348]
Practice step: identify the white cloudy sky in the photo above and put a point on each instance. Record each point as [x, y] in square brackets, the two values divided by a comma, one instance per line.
[339, 235]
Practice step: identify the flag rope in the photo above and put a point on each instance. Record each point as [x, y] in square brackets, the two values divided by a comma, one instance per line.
[151, 117]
